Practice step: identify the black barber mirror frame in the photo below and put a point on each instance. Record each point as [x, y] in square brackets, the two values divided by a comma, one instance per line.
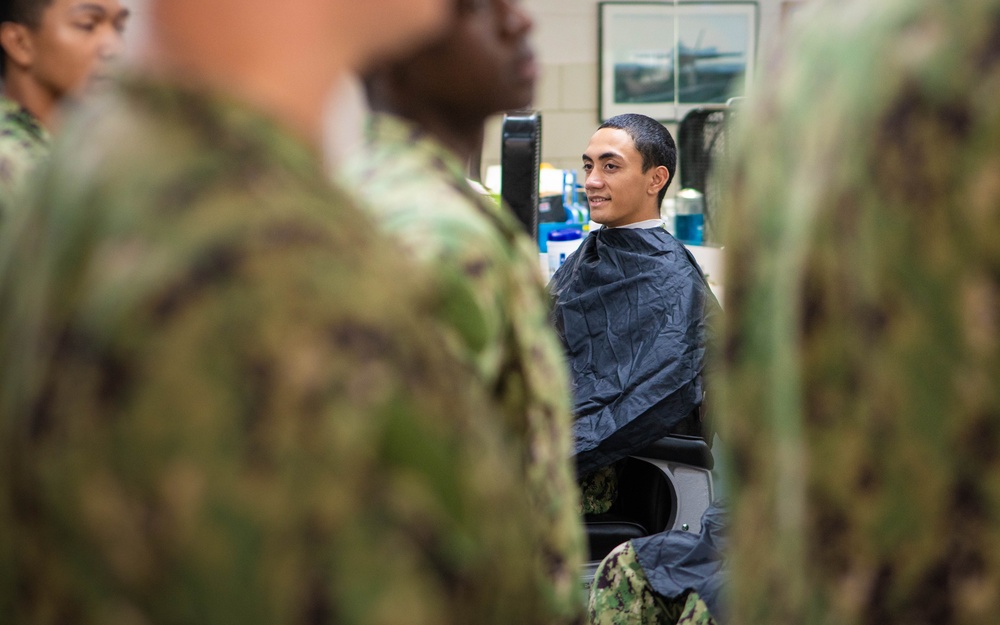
[520, 159]
[701, 146]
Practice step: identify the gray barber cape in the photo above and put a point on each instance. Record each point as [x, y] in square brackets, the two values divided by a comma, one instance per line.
[633, 310]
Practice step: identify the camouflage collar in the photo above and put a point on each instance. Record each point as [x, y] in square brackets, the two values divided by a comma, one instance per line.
[390, 129]
[230, 123]
[11, 110]
[387, 129]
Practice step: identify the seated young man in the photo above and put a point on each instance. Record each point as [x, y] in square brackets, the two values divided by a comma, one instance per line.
[634, 312]
[632, 308]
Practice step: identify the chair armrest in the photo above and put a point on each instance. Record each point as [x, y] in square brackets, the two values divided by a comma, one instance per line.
[691, 450]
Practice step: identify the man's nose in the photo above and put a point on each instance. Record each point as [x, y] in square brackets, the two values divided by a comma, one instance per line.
[593, 181]
[517, 20]
[111, 44]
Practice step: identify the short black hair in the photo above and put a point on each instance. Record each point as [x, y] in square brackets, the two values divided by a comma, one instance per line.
[653, 141]
[26, 12]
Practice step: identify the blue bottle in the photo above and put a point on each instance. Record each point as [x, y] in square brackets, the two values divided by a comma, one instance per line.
[689, 223]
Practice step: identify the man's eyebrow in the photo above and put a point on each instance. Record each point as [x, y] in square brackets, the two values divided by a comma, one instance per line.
[90, 8]
[603, 157]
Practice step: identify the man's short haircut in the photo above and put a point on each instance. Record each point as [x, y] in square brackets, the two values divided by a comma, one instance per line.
[651, 139]
[26, 12]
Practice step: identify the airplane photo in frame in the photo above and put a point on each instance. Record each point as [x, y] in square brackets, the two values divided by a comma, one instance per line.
[663, 59]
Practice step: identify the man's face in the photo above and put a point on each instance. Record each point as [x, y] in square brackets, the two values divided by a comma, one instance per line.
[74, 43]
[618, 191]
[484, 64]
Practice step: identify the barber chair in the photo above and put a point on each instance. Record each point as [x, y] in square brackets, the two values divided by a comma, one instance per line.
[666, 486]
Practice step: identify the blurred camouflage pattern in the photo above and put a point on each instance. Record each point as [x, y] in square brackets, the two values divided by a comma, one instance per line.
[23, 145]
[496, 311]
[222, 399]
[861, 392]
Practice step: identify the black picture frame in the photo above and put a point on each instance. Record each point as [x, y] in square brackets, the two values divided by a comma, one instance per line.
[638, 42]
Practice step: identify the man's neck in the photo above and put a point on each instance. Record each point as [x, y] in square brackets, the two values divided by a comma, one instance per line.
[38, 101]
[463, 135]
[253, 63]
[462, 138]
[652, 213]
[298, 107]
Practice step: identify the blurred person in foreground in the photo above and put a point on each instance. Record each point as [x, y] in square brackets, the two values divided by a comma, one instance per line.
[51, 51]
[430, 109]
[222, 397]
[862, 357]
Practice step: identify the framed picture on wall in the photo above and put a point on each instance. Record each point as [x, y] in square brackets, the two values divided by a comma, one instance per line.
[663, 59]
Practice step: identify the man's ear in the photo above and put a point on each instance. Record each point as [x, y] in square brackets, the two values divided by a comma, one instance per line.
[17, 43]
[659, 178]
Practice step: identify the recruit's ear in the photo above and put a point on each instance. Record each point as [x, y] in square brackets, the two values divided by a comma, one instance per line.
[17, 44]
[658, 179]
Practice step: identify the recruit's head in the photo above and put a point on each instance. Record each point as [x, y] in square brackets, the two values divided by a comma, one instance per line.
[285, 48]
[628, 166]
[60, 47]
[378, 28]
[482, 64]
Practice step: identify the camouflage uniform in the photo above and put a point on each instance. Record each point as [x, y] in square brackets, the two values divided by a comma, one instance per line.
[222, 399]
[23, 144]
[599, 490]
[496, 310]
[862, 387]
[622, 595]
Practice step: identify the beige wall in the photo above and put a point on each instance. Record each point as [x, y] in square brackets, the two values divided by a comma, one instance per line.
[566, 43]
[565, 39]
